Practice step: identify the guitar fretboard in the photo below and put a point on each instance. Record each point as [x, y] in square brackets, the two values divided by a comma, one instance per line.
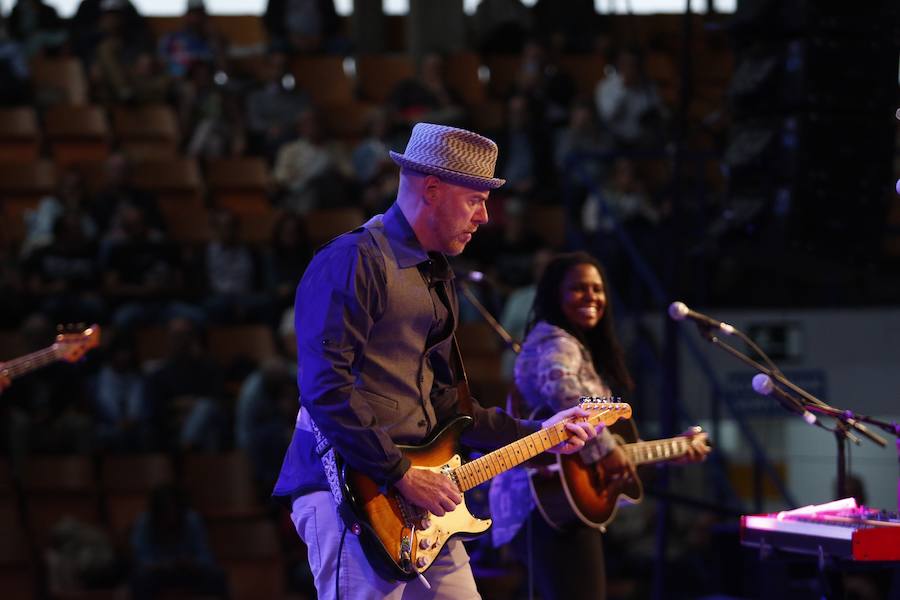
[657, 450]
[19, 366]
[492, 464]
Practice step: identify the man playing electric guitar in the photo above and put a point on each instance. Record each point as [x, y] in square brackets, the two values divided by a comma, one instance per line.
[376, 313]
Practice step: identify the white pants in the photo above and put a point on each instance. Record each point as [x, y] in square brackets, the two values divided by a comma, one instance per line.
[317, 522]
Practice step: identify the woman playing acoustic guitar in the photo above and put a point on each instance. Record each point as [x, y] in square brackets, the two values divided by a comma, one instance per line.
[570, 351]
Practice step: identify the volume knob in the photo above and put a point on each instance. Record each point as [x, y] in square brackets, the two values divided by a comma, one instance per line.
[424, 543]
[421, 561]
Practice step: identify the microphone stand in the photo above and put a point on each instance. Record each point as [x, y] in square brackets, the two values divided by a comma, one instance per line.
[489, 318]
[844, 419]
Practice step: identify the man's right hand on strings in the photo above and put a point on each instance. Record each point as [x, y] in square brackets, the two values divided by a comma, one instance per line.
[432, 491]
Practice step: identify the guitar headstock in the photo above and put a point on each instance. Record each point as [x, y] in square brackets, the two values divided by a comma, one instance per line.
[605, 409]
[74, 342]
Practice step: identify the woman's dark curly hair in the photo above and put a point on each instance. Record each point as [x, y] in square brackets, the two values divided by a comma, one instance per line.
[601, 341]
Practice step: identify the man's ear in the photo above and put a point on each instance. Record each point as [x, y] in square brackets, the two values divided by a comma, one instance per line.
[431, 188]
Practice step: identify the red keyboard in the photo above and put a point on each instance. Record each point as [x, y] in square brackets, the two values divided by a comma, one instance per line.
[861, 534]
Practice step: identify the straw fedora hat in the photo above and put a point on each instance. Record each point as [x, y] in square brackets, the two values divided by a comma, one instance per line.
[452, 154]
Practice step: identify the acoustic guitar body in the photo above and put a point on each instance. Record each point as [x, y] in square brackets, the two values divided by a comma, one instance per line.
[568, 491]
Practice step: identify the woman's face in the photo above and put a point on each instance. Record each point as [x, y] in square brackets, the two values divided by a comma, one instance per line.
[583, 297]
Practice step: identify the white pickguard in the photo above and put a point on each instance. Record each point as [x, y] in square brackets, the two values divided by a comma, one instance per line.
[439, 530]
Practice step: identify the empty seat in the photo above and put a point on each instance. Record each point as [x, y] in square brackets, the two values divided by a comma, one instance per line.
[20, 136]
[59, 487]
[126, 482]
[239, 184]
[77, 134]
[549, 224]
[17, 557]
[221, 485]
[58, 80]
[258, 228]
[326, 223]
[249, 551]
[173, 180]
[152, 343]
[347, 121]
[240, 30]
[186, 222]
[504, 71]
[378, 74]
[323, 78]
[489, 116]
[147, 132]
[233, 342]
[586, 70]
[21, 188]
[461, 73]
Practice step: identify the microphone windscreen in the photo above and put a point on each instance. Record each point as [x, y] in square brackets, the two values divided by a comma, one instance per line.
[678, 311]
[762, 384]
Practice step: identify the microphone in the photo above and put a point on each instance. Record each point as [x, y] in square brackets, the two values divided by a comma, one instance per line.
[762, 385]
[679, 311]
[473, 276]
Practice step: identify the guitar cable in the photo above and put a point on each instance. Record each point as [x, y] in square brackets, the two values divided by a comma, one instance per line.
[337, 568]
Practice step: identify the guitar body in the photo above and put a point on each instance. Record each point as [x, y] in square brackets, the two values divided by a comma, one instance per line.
[570, 492]
[401, 540]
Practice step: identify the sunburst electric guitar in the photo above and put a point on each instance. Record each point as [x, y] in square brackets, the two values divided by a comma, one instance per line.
[68, 347]
[402, 540]
[568, 491]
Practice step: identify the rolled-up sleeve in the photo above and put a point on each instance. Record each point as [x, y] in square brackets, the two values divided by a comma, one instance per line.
[338, 301]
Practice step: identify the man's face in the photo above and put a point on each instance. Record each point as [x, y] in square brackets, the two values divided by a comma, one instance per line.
[457, 211]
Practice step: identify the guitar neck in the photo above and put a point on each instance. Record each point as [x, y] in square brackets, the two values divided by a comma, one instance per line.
[503, 459]
[25, 364]
[657, 451]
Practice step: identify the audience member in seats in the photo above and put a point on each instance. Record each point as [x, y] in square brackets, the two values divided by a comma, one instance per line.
[233, 274]
[312, 171]
[264, 417]
[45, 411]
[63, 278]
[526, 160]
[285, 260]
[185, 392]
[372, 165]
[37, 26]
[501, 26]
[570, 351]
[304, 26]
[124, 68]
[629, 105]
[196, 40]
[86, 30]
[427, 96]
[71, 197]
[121, 413]
[210, 114]
[118, 191]
[171, 551]
[15, 75]
[548, 88]
[585, 141]
[274, 106]
[570, 26]
[144, 274]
